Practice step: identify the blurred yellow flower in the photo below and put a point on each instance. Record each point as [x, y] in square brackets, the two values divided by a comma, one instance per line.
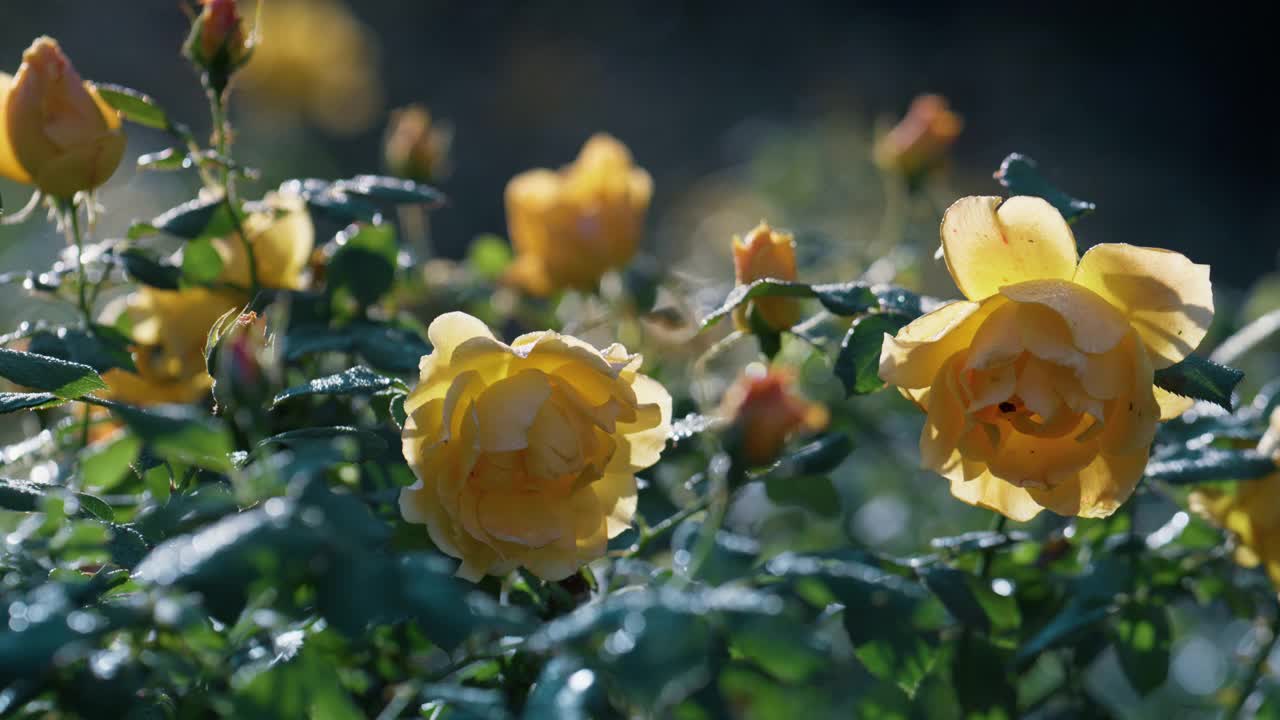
[1251, 511]
[169, 327]
[570, 227]
[314, 58]
[415, 148]
[766, 254]
[1038, 388]
[526, 453]
[920, 141]
[765, 411]
[56, 132]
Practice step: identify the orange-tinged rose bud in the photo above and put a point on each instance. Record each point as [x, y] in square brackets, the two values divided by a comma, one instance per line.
[765, 411]
[415, 148]
[765, 253]
[56, 132]
[920, 141]
[570, 227]
[217, 41]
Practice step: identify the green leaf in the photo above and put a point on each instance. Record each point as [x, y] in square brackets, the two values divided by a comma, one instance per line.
[103, 467]
[1020, 175]
[365, 263]
[13, 402]
[366, 438]
[1200, 379]
[1075, 620]
[134, 106]
[1141, 636]
[385, 347]
[956, 591]
[818, 457]
[25, 496]
[839, 298]
[356, 380]
[167, 159]
[984, 686]
[815, 493]
[202, 217]
[306, 686]
[488, 256]
[179, 433]
[143, 268]
[1210, 464]
[858, 364]
[201, 263]
[65, 379]
[101, 347]
[390, 190]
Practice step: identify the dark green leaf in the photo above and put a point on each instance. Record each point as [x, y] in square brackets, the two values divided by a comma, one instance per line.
[642, 278]
[850, 298]
[25, 496]
[356, 380]
[820, 456]
[1020, 175]
[858, 364]
[984, 687]
[65, 379]
[390, 190]
[1074, 620]
[201, 263]
[838, 298]
[322, 197]
[365, 263]
[956, 591]
[1209, 464]
[101, 347]
[1141, 636]
[134, 106]
[145, 269]
[565, 690]
[180, 434]
[383, 346]
[1200, 379]
[202, 217]
[13, 402]
[814, 493]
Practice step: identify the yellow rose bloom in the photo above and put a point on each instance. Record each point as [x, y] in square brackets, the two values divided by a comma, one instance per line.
[1250, 512]
[170, 327]
[526, 453]
[282, 236]
[763, 254]
[570, 227]
[1038, 387]
[56, 132]
[316, 59]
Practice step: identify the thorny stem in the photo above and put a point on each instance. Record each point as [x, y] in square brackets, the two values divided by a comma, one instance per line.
[1255, 671]
[222, 145]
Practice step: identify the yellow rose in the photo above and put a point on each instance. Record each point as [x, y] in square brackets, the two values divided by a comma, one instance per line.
[282, 236]
[526, 453]
[570, 227]
[170, 327]
[1038, 388]
[765, 412]
[1251, 512]
[314, 58]
[56, 132]
[414, 147]
[920, 141]
[766, 254]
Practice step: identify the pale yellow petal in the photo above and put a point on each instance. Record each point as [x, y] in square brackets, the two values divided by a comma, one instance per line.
[987, 491]
[988, 248]
[1095, 325]
[507, 408]
[616, 493]
[998, 340]
[945, 422]
[647, 440]
[1166, 297]
[912, 358]
[1171, 405]
[1098, 489]
[450, 330]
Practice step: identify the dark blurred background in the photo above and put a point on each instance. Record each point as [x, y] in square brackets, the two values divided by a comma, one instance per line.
[1159, 118]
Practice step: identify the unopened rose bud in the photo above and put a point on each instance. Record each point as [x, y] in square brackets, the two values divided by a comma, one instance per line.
[217, 43]
[765, 253]
[919, 142]
[415, 148]
[764, 411]
[56, 132]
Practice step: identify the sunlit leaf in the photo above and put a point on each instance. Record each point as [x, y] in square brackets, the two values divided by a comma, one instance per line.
[356, 380]
[1200, 379]
[1141, 636]
[39, 372]
[858, 364]
[134, 106]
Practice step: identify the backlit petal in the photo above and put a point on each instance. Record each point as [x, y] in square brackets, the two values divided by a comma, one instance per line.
[912, 358]
[1095, 326]
[987, 248]
[1166, 297]
[1098, 489]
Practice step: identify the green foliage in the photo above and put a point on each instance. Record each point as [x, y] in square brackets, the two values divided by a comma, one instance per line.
[1021, 176]
[1201, 379]
[64, 379]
